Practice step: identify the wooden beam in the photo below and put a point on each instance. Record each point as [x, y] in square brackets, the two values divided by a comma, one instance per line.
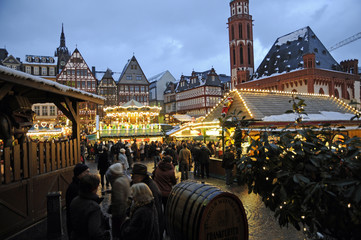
[4, 90]
[64, 110]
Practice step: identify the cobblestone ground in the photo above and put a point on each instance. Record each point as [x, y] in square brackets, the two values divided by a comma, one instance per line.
[261, 223]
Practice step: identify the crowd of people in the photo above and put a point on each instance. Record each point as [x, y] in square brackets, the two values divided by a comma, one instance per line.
[138, 197]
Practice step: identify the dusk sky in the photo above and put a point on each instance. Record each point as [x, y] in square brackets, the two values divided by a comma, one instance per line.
[179, 36]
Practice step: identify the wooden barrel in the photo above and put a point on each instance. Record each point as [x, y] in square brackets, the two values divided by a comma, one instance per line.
[199, 211]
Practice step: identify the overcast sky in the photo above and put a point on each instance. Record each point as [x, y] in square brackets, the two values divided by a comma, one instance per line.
[179, 36]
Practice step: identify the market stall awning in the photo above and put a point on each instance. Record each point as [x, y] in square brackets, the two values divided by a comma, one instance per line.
[183, 117]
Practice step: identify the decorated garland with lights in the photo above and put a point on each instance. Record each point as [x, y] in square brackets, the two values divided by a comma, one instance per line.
[308, 177]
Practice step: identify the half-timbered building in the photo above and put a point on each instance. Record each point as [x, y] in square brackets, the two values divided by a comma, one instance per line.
[107, 88]
[197, 94]
[77, 74]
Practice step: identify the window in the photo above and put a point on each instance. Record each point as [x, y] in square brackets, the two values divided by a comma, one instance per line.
[241, 54]
[37, 110]
[126, 88]
[89, 85]
[136, 88]
[142, 88]
[44, 110]
[249, 54]
[78, 84]
[139, 77]
[232, 32]
[83, 84]
[93, 85]
[36, 70]
[129, 77]
[234, 56]
[52, 110]
[28, 69]
[44, 71]
[248, 32]
[52, 71]
[131, 88]
[240, 31]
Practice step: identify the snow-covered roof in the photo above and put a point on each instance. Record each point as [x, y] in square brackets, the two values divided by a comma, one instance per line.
[157, 77]
[46, 83]
[287, 52]
[270, 106]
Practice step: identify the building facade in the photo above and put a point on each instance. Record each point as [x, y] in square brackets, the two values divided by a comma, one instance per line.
[158, 85]
[197, 94]
[77, 74]
[133, 84]
[12, 62]
[107, 88]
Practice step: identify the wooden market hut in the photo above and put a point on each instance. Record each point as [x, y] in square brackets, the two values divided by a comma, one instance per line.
[29, 170]
[267, 109]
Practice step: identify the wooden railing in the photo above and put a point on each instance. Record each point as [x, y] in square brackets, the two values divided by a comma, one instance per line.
[30, 159]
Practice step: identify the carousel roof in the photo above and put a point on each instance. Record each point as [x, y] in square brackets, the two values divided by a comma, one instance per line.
[271, 106]
[133, 103]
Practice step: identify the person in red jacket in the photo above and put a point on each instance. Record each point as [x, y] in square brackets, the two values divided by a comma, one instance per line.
[164, 177]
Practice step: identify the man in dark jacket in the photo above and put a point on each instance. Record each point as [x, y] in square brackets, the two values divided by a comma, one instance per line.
[140, 174]
[80, 170]
[196, 154]
[205, 154]
[103, 165]
[87, 220]
[228, 164]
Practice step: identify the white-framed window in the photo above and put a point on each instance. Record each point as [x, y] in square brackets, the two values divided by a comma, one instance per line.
[36, 70]
[28, 69]
[44, 110]
[52, 110]
[139, 77]
[52, 71]
[129, 77]
[37, 110]
[44, 71]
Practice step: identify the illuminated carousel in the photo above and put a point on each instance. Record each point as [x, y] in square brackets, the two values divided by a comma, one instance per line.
[131, 121]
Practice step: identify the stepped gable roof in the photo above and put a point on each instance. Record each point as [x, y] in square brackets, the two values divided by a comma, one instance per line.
[133, 103]
[287, 52]
[270, 106]
[157, 77]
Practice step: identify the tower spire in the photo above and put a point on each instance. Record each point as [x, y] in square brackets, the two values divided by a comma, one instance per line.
[62, 36]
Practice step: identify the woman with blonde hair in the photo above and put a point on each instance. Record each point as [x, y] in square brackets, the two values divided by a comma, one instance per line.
[143, 220]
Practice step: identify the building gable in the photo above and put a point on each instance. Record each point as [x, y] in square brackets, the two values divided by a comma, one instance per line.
[11, 60]
[76, 73]
[133, 73]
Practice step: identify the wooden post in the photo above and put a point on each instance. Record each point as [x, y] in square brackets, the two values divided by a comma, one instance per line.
[47, 157]
[53, 166]
[25, 160]
[41, 158]
[16, 152]
[7, 159]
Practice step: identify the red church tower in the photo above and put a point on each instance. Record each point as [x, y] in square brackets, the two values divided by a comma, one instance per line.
[240, 42]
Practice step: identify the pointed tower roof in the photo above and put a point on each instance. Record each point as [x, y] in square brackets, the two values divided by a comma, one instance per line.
[287, 52]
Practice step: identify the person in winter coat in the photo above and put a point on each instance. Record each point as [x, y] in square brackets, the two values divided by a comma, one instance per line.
[196, 154]
[164, 177]
[140, 174]
[184, 160]
[80, 170]
[103, 165]
[123, 159]
[143, 221]
[119, 198]
[228, 164]
[205, 154]
[87, 220]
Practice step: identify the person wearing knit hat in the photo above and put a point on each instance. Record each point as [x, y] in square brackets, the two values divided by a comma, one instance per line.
[119, 199]
[80, 170]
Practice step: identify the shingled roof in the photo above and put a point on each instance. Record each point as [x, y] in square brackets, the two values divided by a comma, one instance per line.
[287, 52]
[270, 106]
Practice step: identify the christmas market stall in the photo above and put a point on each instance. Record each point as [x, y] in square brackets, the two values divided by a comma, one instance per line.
[131, 121]
[266, 110]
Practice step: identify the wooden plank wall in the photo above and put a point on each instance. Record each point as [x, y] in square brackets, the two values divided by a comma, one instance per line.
[26, 160]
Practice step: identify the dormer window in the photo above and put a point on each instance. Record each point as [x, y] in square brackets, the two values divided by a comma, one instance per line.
[43, 60]
[36, 59]
[29, 59]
